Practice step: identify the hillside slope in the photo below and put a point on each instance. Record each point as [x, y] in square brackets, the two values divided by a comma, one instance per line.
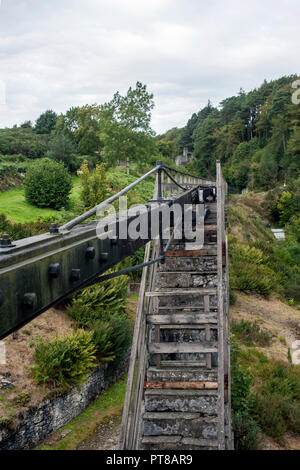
[265, 327]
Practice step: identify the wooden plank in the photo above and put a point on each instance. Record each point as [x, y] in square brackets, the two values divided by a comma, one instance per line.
[179, 318]
[182, 385]
[157, 339]
[190, 253]
[220, 236]
[195, 308]
[182, 292]
[206, 303]
[182, 348]
[208, 355]
[183, 363]
[189, 326]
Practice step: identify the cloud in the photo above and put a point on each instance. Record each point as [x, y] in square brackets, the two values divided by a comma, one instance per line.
[54, 55]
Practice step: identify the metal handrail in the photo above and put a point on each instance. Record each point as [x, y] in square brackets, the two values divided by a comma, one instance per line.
[102, 205]
[160, 166]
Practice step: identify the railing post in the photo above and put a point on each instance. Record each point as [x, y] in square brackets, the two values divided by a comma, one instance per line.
[159, 198]
[159, 180]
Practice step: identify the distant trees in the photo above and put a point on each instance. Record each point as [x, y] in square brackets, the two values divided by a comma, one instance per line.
[81, 124]
[46, 122]
[63, 149]
[125, 130]
[256, 136]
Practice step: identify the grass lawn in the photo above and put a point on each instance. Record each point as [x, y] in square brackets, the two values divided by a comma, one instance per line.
[15, 207]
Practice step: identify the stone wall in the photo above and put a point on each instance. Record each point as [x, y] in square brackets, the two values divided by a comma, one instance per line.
[40, 421]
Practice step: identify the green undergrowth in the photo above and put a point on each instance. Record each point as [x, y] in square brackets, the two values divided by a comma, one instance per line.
[258, 262]
[84, 425]
[251, 333]
[265, 398]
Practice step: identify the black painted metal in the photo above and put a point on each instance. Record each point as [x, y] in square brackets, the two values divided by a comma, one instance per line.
[38, 272]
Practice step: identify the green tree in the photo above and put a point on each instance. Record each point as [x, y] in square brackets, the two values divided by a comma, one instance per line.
[125, 126]
[46, 122]
[81, 124]
[63, 149]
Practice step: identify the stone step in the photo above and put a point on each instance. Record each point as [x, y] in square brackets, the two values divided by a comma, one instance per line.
[181, 374]
[178, 443]
[201, 401]
[192, 334]
[199, 264]
[201, 360]
[185, 300]
[180, 423]
[186, 280]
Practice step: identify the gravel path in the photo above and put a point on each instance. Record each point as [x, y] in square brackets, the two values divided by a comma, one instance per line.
[106, 437]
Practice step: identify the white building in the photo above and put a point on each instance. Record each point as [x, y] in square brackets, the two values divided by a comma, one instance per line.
[278, 233]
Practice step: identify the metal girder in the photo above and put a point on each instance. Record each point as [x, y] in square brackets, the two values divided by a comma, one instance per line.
[38, 272]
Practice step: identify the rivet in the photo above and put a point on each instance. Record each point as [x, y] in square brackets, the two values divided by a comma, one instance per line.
[90, 252]
[54, 270]
[5, 240]
[30, 299]
[103, 257]
[75, 275]
[53, 228]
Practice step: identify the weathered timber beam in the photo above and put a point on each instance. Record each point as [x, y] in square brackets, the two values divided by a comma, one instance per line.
[182, 385]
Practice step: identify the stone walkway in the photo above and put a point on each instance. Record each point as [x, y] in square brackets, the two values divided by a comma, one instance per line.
[106, 437]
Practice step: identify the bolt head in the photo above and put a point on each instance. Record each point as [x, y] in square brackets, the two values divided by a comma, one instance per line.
[54, 270]
[103, 257]
[75, 275]
[30, 299]
[5, 240]
[90, 252]
[53, 228]
[114, 240]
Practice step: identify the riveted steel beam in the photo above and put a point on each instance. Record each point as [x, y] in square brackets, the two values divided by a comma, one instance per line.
[38, 272]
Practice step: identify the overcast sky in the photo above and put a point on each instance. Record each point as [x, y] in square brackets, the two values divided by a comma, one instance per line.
[55, 54]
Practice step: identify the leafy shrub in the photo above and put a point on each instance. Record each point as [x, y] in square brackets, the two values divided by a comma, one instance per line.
[102, 333]
[97, 302]
[276, 415]
[112, 337]
[93, 185]
[247, 254]
[64, 361]
[247, 433]
[121, 335]
[250, 333]
[47, 184]
[252, 278]
[101, 308]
